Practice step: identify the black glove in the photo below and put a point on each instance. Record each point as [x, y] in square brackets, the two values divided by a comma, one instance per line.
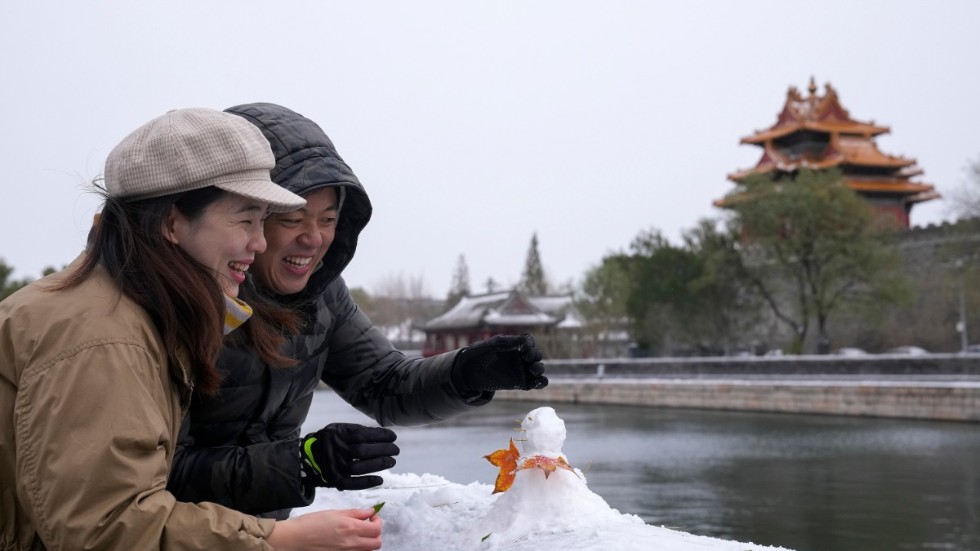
[336, 455]
[502, 362]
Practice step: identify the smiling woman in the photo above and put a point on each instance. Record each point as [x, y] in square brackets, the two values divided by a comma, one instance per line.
[98, 363]
[220, 230]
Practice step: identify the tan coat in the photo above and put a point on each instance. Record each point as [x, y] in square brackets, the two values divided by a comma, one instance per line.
[90, 408]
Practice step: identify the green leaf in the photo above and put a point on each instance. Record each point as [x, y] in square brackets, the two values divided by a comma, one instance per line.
[484, 538]
[377, 507]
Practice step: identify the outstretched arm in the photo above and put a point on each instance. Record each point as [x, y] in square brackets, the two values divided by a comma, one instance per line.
[367, 371]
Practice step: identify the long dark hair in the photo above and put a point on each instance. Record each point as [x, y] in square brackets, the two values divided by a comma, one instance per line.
[181, 296]
[268, 328]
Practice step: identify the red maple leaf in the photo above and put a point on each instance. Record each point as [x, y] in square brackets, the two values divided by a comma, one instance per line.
[546, 464]
[506, 459]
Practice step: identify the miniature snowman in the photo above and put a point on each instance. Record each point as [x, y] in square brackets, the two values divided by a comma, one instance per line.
[538, 491]
[544, 432]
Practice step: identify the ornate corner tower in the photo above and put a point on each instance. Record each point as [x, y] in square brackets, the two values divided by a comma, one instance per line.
[816, 132]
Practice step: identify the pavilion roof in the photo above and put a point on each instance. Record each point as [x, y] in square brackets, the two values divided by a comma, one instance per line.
[468, 312]
[509, 309]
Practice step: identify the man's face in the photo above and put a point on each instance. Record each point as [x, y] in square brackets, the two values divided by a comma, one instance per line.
[297, 242]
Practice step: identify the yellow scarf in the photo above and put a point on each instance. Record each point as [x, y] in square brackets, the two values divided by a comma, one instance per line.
[236, 313]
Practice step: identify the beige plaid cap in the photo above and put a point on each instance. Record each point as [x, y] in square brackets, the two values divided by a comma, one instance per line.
[187, 149]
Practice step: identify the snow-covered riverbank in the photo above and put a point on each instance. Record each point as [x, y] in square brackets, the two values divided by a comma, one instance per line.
[557, 512]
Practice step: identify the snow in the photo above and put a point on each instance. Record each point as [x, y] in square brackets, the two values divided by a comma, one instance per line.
[557, 512]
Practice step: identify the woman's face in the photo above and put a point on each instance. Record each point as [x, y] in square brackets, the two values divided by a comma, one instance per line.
[225, 238]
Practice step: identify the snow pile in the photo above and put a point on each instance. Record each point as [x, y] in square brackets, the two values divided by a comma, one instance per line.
[538, 513]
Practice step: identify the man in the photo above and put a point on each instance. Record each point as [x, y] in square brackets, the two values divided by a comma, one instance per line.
[242, 447]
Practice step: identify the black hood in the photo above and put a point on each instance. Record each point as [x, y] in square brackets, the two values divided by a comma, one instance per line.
[307, 160]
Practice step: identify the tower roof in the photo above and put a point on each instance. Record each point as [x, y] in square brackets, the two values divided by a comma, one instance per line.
[817, 113]
[841, 150]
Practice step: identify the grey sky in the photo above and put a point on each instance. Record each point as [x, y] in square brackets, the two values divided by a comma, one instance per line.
[475, 124]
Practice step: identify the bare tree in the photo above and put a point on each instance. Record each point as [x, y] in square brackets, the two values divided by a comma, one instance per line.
[813, 247]
[399, 303]
[964, 201]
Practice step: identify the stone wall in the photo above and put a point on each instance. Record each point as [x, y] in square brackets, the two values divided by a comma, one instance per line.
[946, 403]
[937, 259]
[938, 387]
[926, 367]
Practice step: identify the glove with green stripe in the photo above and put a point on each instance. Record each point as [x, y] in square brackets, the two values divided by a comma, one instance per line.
[340, 454]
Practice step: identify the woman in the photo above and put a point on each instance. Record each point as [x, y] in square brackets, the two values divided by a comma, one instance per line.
[97, 364]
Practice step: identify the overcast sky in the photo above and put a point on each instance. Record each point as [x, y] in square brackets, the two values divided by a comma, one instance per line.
[473, 125]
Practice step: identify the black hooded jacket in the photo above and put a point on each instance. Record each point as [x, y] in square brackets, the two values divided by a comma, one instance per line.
[241, 448]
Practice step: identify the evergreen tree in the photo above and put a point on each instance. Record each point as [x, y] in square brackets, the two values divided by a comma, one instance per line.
[533, 280]
[491, 285]
[7, 285]
[461, 283]
[364, 301]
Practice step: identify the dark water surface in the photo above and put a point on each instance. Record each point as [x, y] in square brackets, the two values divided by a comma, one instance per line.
[804, 482]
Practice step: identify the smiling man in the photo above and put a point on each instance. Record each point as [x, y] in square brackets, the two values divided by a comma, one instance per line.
[297, 242]
[242, 448]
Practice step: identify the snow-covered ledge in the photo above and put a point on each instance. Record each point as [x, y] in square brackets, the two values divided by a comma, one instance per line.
[544, 509]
